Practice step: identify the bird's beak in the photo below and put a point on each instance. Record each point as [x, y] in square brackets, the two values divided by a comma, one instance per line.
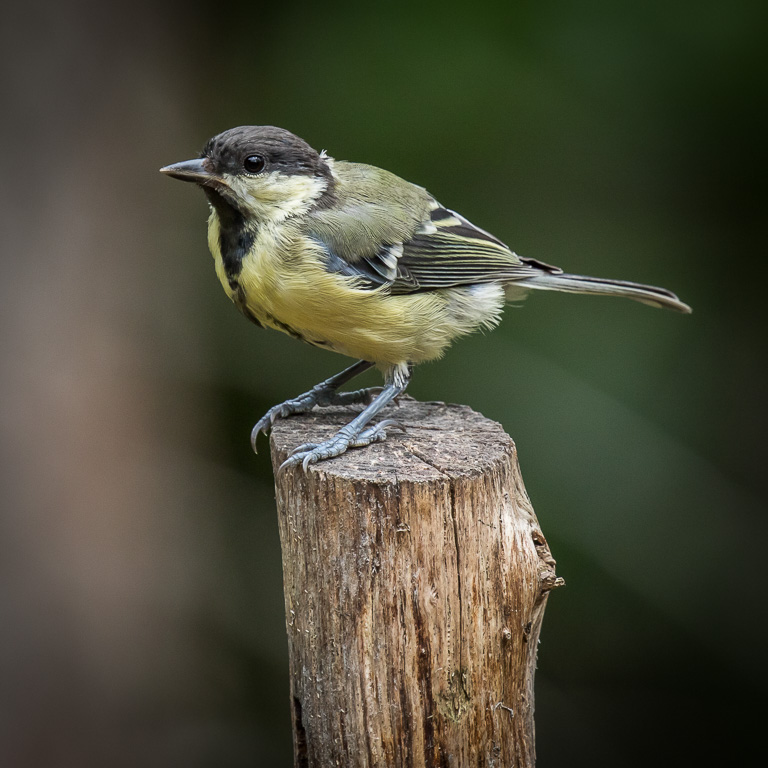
[191, 170]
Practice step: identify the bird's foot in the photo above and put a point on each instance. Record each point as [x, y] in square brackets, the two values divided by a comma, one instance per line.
[301, 404]
[319, 395]
[311, 453]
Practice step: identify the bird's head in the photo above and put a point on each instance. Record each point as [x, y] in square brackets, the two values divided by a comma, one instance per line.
[263, 172]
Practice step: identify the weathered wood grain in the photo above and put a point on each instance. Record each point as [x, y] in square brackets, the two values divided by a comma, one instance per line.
[415, 578]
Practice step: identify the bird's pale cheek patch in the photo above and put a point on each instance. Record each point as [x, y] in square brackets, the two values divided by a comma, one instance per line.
[276, 195]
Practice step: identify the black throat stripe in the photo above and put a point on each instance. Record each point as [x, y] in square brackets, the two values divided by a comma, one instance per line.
[236, 238]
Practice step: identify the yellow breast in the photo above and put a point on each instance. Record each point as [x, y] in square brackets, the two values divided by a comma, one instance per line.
[285, 285]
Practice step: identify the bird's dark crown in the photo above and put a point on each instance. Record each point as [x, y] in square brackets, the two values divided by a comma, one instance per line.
[281, 150]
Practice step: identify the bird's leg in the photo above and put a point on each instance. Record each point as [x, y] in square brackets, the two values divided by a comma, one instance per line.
[354, 434]
[322, 394]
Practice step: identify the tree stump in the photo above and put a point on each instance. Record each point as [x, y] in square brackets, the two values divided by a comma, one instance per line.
[416, 578]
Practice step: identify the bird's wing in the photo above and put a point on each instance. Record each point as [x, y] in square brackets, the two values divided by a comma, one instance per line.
[395, 234]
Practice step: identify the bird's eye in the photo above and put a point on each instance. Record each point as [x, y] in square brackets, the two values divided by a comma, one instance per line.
[254, 164]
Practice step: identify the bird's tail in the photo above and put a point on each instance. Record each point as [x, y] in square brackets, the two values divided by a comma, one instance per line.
[647, 294]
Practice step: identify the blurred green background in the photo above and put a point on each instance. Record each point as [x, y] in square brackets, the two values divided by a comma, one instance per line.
[140, 583]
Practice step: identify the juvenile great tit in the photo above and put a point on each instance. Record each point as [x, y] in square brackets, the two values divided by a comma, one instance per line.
[352, 258]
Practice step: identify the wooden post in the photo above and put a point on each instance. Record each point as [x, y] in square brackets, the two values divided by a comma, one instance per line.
[415, 578]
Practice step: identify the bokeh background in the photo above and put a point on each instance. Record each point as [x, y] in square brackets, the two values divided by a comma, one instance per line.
[141, 617]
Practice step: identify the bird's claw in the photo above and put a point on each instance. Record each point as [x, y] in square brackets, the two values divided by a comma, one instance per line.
[303, 448]
[312, 453]
[376, 433]
[301, 404]
[261, 426]
[320, 395]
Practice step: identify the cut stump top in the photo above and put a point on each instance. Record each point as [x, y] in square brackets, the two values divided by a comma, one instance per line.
[440, 441]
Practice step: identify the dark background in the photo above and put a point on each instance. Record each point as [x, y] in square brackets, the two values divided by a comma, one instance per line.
[140, 586]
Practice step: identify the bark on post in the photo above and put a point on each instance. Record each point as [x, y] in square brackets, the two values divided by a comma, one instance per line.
[415, 578]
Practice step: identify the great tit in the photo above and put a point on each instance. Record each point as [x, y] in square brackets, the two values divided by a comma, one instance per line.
[352, 258]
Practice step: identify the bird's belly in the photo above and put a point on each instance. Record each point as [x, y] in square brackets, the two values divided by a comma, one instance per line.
[375, 326]
[326, 312]
[330, 311]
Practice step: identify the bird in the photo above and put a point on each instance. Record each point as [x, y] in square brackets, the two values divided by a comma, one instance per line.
[354, 259]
